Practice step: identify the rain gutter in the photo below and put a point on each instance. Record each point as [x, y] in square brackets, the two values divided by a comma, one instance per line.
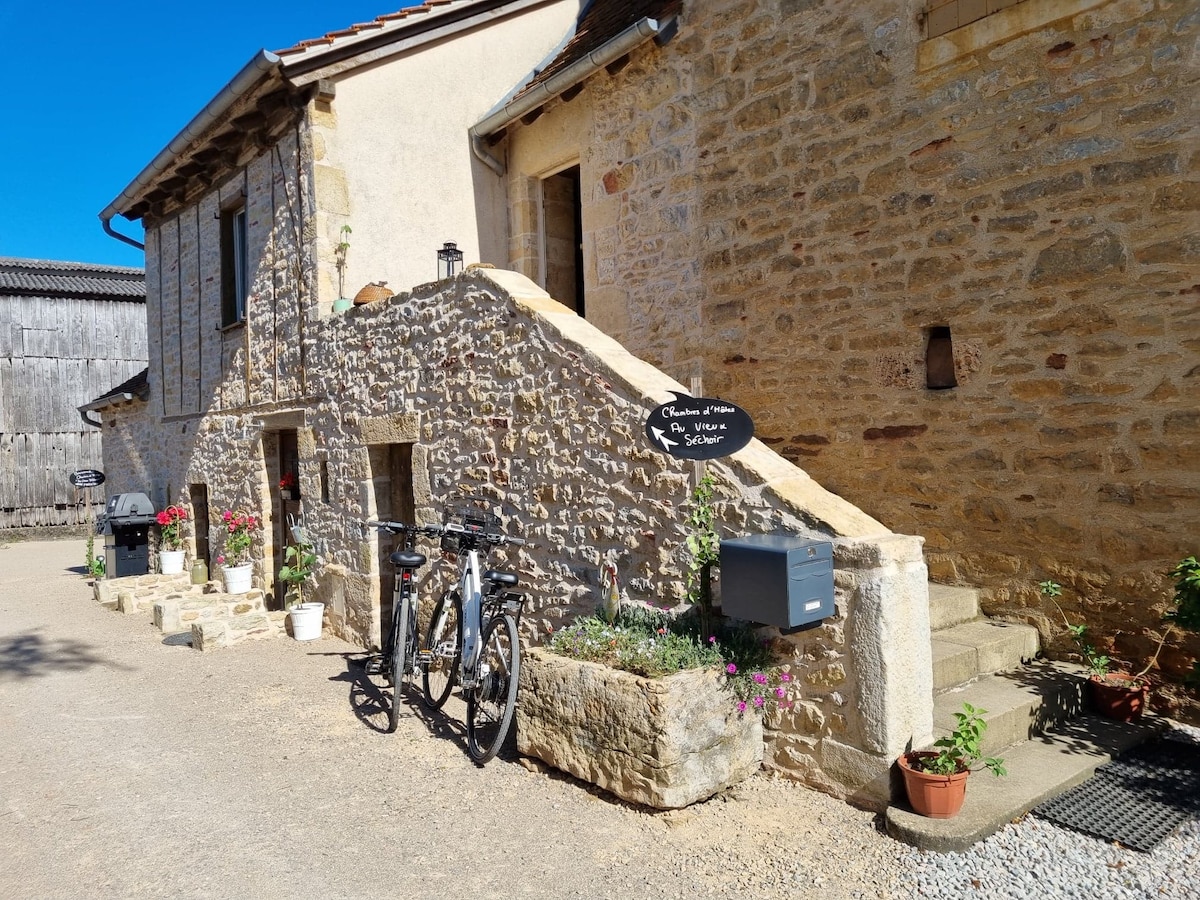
[580, 70]
[240, 85]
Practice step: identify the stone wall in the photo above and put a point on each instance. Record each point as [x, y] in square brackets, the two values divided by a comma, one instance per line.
[791, 195]
[503, 392]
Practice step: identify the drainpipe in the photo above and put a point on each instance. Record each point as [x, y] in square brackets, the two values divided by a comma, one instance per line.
[241, 83]
[636, 34]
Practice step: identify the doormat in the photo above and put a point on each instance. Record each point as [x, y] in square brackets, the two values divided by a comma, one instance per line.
[1136, 800]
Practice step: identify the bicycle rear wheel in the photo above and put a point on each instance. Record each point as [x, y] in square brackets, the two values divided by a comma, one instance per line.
[491, 703]
[444, 642]
[403, 641]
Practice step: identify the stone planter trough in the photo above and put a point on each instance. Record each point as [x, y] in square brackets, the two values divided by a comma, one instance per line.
[661, 742]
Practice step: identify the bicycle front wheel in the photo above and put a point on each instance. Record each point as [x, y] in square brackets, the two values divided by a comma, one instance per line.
[491, 703]
[402, 647]
[444, 643]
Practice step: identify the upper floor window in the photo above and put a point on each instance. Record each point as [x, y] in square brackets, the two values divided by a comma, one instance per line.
[235, 270]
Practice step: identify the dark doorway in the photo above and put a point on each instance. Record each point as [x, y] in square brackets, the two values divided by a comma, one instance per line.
[392, 482]
[199, 498]
[287, 501]
[562, 223]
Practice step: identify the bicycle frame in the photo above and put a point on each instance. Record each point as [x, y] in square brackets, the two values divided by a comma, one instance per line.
[471, 591]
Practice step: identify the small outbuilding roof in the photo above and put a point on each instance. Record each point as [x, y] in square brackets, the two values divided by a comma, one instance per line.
[135, 388]
[54, 278]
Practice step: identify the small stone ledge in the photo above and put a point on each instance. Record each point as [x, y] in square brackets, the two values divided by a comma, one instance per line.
[140, 590]
[217, 634]
[180, 611]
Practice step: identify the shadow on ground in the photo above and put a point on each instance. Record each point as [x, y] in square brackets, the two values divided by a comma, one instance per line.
[30, 655]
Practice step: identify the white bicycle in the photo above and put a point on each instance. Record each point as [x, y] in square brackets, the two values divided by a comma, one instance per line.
[472, 639]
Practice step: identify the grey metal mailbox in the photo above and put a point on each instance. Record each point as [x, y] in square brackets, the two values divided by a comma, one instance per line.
[777, 579]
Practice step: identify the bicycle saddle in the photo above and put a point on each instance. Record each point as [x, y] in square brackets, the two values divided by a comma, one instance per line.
[507, 579]
[407, 559]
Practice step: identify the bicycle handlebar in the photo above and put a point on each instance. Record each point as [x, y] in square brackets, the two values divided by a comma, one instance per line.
[492, 537]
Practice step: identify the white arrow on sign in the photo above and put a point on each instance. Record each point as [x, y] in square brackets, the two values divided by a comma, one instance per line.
[662, 438]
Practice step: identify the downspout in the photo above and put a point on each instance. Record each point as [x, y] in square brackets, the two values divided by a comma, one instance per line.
[636, 34]
[83, 413]
[240, 84]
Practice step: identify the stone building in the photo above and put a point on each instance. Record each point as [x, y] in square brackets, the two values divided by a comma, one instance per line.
[807, 205]
[945, 253]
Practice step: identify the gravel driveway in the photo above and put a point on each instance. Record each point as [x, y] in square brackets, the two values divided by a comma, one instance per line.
[133, 766]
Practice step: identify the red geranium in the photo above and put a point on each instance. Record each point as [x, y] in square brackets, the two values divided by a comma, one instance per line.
[170, 525]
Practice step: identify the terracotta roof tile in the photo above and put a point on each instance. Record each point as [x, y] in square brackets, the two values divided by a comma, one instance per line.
[376, 23]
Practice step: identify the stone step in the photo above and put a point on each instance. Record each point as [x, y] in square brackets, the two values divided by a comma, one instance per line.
[1020, 703]
[966, 651]
[1038, 769]
[216, 634]
[180, 612]
[950, 605]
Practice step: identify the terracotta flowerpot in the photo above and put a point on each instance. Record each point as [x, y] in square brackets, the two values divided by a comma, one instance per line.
[1118, 696]
[934, 796]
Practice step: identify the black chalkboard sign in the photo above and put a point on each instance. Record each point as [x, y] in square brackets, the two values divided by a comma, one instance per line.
[86, 478]
[699, 427]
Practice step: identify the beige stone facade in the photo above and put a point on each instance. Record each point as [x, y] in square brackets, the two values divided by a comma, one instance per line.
[790, 197]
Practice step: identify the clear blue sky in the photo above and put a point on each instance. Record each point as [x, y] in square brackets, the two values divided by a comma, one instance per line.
[94, 90]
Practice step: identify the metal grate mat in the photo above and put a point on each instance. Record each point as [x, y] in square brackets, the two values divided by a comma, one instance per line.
[1136, 800]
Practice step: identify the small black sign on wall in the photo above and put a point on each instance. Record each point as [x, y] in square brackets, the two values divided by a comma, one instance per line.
[86, 478]
[699, 427]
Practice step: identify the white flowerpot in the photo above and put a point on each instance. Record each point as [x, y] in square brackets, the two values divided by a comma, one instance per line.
[237, 578]
[170, 562]
[307, 619]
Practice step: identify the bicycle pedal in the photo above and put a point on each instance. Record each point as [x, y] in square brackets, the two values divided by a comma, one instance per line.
[374, 665]
[424, 657]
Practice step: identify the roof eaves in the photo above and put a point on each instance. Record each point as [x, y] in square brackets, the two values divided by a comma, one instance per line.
[537, 93]
[399, 33]
[135, 388]
[245, 81]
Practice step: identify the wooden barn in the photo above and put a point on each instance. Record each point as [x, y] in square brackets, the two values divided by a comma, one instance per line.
[68, 333]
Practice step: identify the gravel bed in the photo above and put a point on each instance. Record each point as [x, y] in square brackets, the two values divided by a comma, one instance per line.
[1033, 859]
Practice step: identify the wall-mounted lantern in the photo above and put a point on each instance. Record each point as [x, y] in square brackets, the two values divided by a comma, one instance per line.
[449, 260]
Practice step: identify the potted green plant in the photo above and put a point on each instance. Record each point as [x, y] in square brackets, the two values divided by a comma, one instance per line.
[342, 303]
[299, 563]
[936, 780]
[1115, 695]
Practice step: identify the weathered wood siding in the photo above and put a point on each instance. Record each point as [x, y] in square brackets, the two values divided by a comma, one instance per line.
[57, 354]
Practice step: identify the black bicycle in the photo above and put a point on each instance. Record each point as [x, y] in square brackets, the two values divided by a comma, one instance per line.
[398, 661]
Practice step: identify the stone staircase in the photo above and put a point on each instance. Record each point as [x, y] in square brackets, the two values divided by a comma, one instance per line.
[1035, 715]
[218, 620]
[213, 619]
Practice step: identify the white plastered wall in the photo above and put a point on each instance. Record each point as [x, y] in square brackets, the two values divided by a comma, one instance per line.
[401, 141]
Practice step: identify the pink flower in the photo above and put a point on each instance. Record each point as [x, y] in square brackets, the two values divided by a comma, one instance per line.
[741, 706]
[712, 638]
[780, 692]
[731, 669]
[760, 678]
[758, 702]
[662, 631]
[784, 676]
[227, 516]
